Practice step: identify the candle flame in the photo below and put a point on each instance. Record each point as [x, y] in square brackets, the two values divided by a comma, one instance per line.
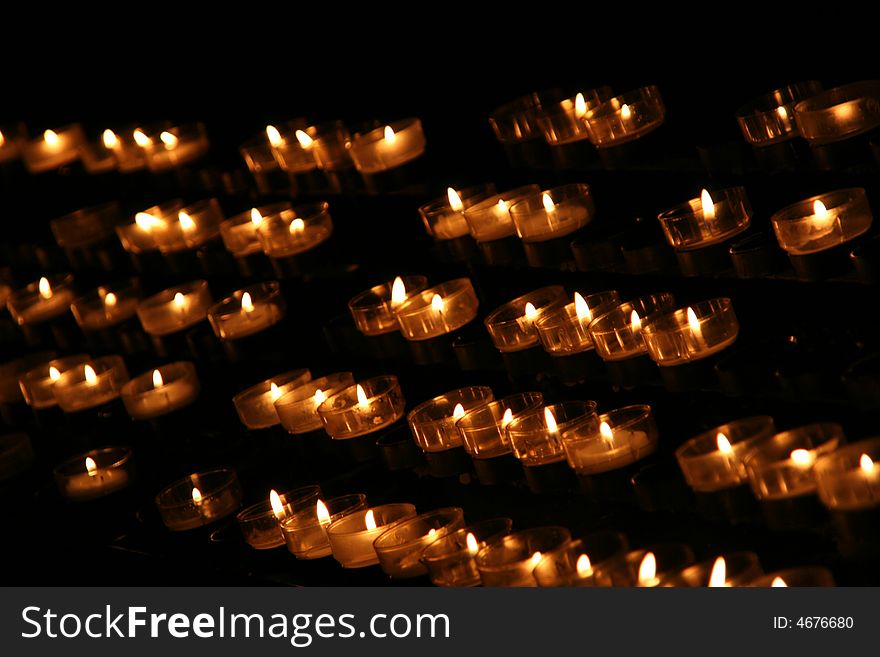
[778, 582]
[625, 112]
[718, 577]
[458, 412]
[782, 112]
[361, 395]
[370, 520]
[51, 137]
[2, 139]
[91, 466]
[819, 209]
[507, 418]
[246, 304]
[398, 292]
[320, 397]
[141, 139]
[304, 139]
[187, 223]
[635, 322]
[277, 504]
[45, 288]
[867, 464]
[54, 374]
[256, 217]
[274, 136]
[274, 391]
[550, 421]
[437, 303]
[158, 382]
[693, 320]
[297, 226]
[110, 300]
[472, 546]
[89, 373]
[454, 200]
[323, 513]
[549, 205]
[803, 457]
[432, 534]
[582, 308]
[647, 569]
[531, 312]
[580, 106]
[707, 205]
[606, 432]
[179, 301]
[196, 496]
[535, 558]
[390, 137]
[723, 443]
[110, 139]
[584, 567]
[147, 222]
[169, 139]
[502, 207]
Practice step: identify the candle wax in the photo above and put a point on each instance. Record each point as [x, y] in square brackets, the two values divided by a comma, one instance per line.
[85, 486]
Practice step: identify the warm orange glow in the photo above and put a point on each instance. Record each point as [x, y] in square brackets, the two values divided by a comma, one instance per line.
[648, 569]
[472, 546]
[625, 112]
[606, 432]
[549, 205]
[277, 504]
[583, 566]
[256, 217]
[530, 312]
[778, 582]
[157, 379]
[580, 106]
[247, 305]
[110, 139]
[432, 534]
[390, 137]
[437, 303]
[454, 199]
[169, 139]
[362, 395]
[51, 138]
[458, 412]
[141, 139]
[196, 496]
[635, 322]
[398, 292]
[693, 321]
[723, 443]
[718, 578]
[707, 205]
[782, 112]
[91, 466]
[507, 418]
[304, 139]
[866, 463]
[320, 397]
[110, 300]
[821, 217]
[297, 226]
[45, 288]
[582, 308]
[179, 301]
[550, 421]
[803, 457]
[370, 520]
[273, 135]
[54, 374]
[187, 224]
[2, 139]
[534, 559]
[147, 222]
[323, 513]
[274, 391]
[90, 376]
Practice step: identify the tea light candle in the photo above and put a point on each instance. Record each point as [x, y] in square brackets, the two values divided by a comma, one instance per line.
[733, 569]
[95, 474]
[535, 434]
[438, 310]
[305, 532]
[128, 153]
[388, 147]
[330, 145]
[292, 147]
[444, 217]
[239, 232]
[85, 226]
[517, 121]
[626, 117]
[714, 460]
[199, 499]
[295, 231]
[261, 523]
[161, 391]
[450, 558]
[509, 560]
[617, 334]
[256, 405]
[400, 547]
[512, 325]
[554, 213]
[564, 330]
[42, 300]
[612, 441]
[258, 155]
[95, 383]
[175, 147]
[97, 156]
[175, 309]
[107, 306]
[575, 562]
[298, 409]
[16, 454]
[351, 538]
[489, 219]
[565, 122]
[147, 230]
[191, 227]
[690, 334]
[54, 148]
[644, 568]
[714, 217]
[795, 577]
[37, 384]
[483, 429]
[770, 119]
[248, 311]
[375, 310]
[433, 423]
[849, 479]
[822, 222]
[363, 408]
[839, 113]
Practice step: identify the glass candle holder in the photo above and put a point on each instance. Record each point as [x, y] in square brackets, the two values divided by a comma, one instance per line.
[257, 154]
[535, 434]
[175, 309]
[714, 460]
[351, 538]
[483, 429]
[617, 334]
[509, 560]
[298, 409]
[294, 231]
[782, 467]
[95, 383]
[363, 408]
[16, 454]
[256, 405]
[389, 147]
[517, 120]
[553, 213]
[574, 562]
[291, 146]
[128, 152]
[822, 222]
[565, 329]
[375, 310]
[193, 226]
[330, 145]
[95, 474]
[199, 499]
[714, 217]
[438, 310]
[433, 423]
[450, 558]
[839, 113]
[175, 147]
[646, 567]
[54, 148]
[849, 479]
[733, 569]
[489, 219]
[626, 117]
[148, 228]
[611, 441]
[444, 217]
[796, 577]
[239, 232]
[161, 391]
[512, 325]
[85, 226]
[564, 122]
[97, 154]
[107, 306]
[400, 547]
[11, 372]
[260, 523]
[305, 532]
[42, 300]
[691, 333]
[248, 311]
[37, 384]
[770, 119]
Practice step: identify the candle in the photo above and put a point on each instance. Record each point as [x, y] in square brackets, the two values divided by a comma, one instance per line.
[535, 434]
[199, 499]
[388, 147]
[161, 391]
[400, 547]
[554, 213]
[239, 232]
[375, 310]
[483, 429]
[175, 309]
[617, 334]
[85, 226]
[129, 155]
[363, 408]
[107, 306]
[190, 227]
[37, 383]
[714, 217]
[97, 155]
[509, 560]
[433, 423]
[174, 147]
[489, 219]
[644, 568]
[258, 155]
[512, 325]
[733, 569]
[351, 538]
[11, 372]
[821, 222]
[95, 474]
[292, 147]
[95, 383]
[12, 139]
[256, 405]
[690, 334]
[713, 460]
[770, 118]
[626, 117]
[298, 409]
[444, 218]
[576, 562]
[53, 149]
[305, 532]
[248, 311]
[517, 121]
[438, 310]
[261, 523]
[848, 479]
[564, 330]
[16, 454]
[149, 226]
[450, 559]
[42, 300]
[612, 441]
[839, 113]
[565, 122]
[294, 231]
[799, 577]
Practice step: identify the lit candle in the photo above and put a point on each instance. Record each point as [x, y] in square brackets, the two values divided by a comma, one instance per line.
[53, 149]
[248, 311]
[438, 310]
[162, 391]
[94, 474]
[351, 538]
[261, 523]
[295, 231]
[305, 532]
[433, 423]
[42, 300]
[179, 146]
[400, 548]
[707, 220]
[822, 222]
[450, 559]
[175, 309]
[625, 436]
[512, 325]
[848, 480]
[256, 405]
[444, 218]
[554, 213]
[199, 499]
[626, 117]
[107, 306]
[95, 383]
[692, 333]
[388, 147]
[298, 409]
[510, 560]
[37, 383]
[564, 330]
[375, 310]
[363, 408]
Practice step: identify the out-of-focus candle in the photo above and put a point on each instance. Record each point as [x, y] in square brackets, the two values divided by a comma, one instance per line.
[509, 560]
[95, 383]
[489, 219]
[849, 479]
[42, 300]
[174, 146]
[256, 405]
[54, 148]
[732, 569]
[107, 306]
[839, 113]
[450, 558]
[565, 122]
[294, 231]
[388, 147]
[161, 391]
[239, 232]
[191, 227]
[400, 547]
[822, 222]
[444, 217]
[626, 117]
[351, 538]
[298, 409]
[16, 454]
[248, 311]
[770, 119]
[438, 310]
[292, 146]
[85, 226]
[95, 474]
[147, 230]
[37, 384]
[576, 562]
[175, 309]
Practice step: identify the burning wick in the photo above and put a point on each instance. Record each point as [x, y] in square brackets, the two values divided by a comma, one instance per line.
[91, 466]
[45, 288]
[157, 379]
[390, 137]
